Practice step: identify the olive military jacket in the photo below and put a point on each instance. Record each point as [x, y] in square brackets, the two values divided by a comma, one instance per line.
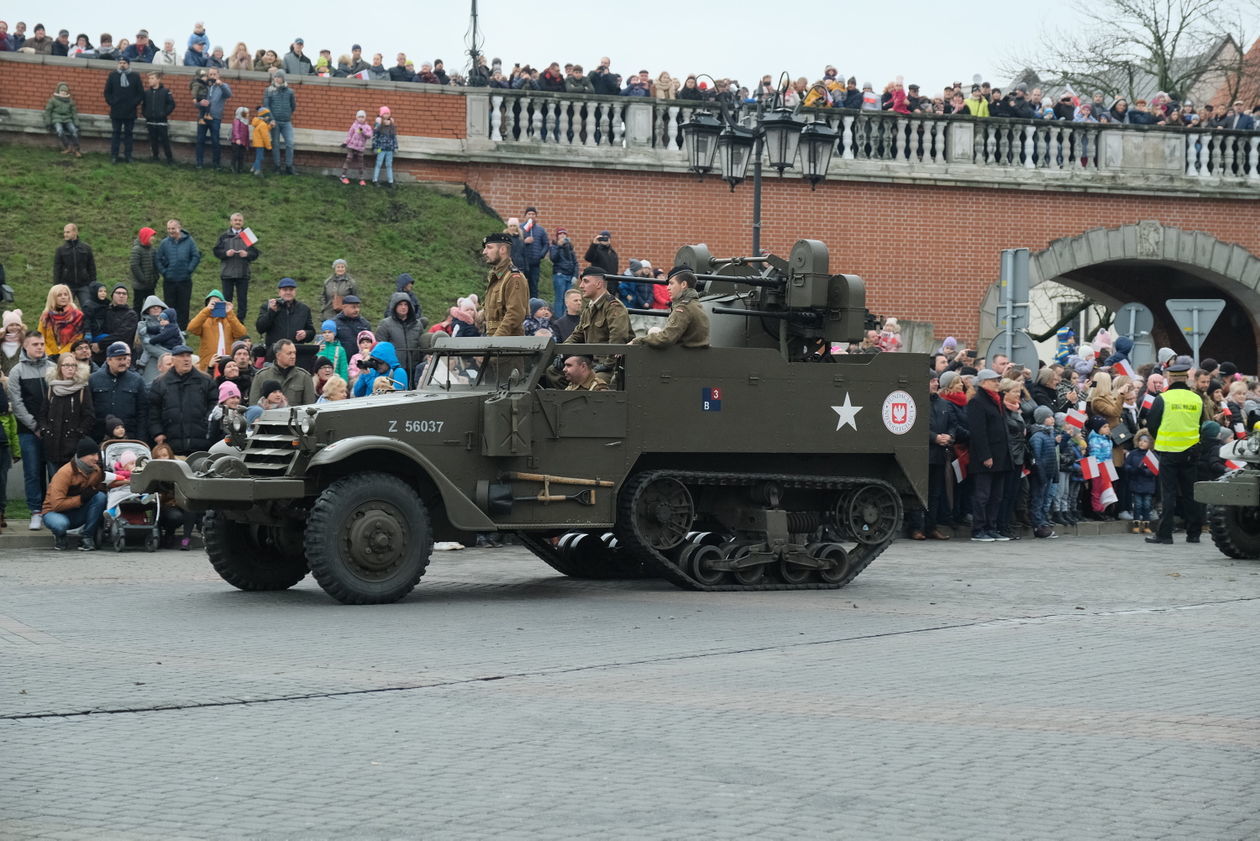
[594, 384]
[507, 301]
[603, 321]
[688, 324]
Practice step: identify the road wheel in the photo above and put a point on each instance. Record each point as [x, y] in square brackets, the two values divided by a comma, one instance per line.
[1236, 530]
[249, 556]
[368, 539]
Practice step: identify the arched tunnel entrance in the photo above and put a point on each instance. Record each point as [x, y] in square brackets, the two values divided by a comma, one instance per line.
[1150, 263]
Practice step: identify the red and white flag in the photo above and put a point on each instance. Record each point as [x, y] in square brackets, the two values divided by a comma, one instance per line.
[363, 74]
[247, 237]
[1089, 468]
[1076, 418]
[1125, 367]
[1151, 461]
[1148, 400]
[1233, 465]
[1110, 469]
[1024, 472]
[1108, 495]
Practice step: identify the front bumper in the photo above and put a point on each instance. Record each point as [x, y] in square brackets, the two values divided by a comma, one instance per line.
[1240, 488]
[198, 493]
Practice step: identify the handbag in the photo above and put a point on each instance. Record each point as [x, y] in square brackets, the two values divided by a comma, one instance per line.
[1121, 436]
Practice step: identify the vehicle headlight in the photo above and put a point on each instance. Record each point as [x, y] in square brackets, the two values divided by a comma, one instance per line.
[305, 423]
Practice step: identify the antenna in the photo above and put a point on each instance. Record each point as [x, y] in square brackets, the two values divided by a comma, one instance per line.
[473, 39]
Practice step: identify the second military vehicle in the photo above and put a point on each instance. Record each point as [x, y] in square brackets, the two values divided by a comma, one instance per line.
[762, 462]
[1233, 500]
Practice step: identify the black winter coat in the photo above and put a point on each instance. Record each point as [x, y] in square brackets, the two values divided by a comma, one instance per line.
[123, 100]
[157, 104]
[116, 324]
[123, 396]
[178, 407]
[944, 419]
[284, 322]
[74, 264]
[63, 421]
[986, 421]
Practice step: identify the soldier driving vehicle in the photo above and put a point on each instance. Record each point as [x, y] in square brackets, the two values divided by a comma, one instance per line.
[783, 467]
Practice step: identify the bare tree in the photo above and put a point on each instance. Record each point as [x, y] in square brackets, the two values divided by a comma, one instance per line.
[1133, 48]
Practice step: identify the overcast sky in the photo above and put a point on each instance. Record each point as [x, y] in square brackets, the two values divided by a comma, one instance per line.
[929, 43]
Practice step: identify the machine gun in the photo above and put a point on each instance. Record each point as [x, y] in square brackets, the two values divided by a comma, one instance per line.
[796, 304]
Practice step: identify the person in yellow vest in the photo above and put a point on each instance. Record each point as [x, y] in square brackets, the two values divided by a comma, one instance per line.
[1174, 420]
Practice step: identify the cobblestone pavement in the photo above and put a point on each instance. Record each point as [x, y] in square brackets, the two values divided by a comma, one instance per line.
[1069, 689]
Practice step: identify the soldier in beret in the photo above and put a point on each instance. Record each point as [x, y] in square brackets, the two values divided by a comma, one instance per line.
[507, 290]
[688, 323]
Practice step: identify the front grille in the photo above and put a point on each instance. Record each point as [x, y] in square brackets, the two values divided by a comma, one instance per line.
[270, 450]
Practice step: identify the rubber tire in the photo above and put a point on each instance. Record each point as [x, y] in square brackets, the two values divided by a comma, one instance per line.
[323, 538]
[245, 562]
[1229, 535]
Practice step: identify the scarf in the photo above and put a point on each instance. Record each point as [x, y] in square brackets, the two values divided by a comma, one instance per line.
[65, 324]
[958, 398]
[66, 388]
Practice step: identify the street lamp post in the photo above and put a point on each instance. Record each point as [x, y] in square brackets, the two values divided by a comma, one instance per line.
[779, 135]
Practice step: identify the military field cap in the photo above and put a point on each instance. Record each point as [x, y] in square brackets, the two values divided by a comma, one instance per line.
[506, 239]
[987, 374]
[1180, 365]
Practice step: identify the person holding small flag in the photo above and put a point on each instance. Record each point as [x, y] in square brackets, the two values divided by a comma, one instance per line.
[1141, 466]
[1099, 450]
[236, 248]
[1174, 420]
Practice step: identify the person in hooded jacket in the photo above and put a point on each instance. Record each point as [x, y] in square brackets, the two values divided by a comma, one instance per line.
[402, 329]
[144, 273]
[67, 414]
[406, 283]
[382, 363]
[94, 310]
[1123, 347]
[115, 323]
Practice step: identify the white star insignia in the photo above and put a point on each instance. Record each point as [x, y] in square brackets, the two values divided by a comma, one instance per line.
[847, 412]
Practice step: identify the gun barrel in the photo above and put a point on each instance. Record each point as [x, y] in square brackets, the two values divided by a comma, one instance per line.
[769, 283]
[653, 313]
[790, 314]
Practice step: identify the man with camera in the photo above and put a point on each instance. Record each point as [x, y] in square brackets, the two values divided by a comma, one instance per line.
[603, 256]
[285, 317]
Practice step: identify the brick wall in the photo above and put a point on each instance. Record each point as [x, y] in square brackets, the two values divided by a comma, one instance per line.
[322, 104]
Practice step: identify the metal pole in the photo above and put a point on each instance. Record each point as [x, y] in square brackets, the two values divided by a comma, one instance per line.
[757, 150]
[1194, 334]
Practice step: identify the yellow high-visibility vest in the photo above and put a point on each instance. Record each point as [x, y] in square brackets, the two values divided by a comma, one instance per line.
[1179, 427]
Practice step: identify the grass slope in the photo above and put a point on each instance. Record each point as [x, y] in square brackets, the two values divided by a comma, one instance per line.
[303, 223]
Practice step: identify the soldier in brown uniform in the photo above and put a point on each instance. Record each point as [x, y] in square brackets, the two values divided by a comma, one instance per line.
[688, 323]
[507, 290]
[604, 319]
[580, 372]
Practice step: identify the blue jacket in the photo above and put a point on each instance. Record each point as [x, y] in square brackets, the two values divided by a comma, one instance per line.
[540, 247]
[635, 295]
[383, 351]
[219, 95]
[203, 39]
[282, 102]
[133, 53]
[192, 58]
[177, 259]
[1100, 446]
[563, 260]
[1045, 454]
[1141, 479]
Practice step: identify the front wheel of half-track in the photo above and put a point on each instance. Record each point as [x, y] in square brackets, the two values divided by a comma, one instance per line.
[368, 539]
[1235, 530]
[252, 557]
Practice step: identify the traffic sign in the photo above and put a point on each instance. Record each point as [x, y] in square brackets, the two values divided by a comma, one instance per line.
[1195, 317]
[1143, 352]
[1014, 275]
[1020, 349]
[1017, 314]
[1134, 320]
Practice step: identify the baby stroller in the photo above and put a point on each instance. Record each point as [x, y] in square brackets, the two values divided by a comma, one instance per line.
[129, 517]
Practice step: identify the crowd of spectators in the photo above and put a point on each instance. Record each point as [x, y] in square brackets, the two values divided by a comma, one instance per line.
[137, 359]
[1079, 438]
[830, 90]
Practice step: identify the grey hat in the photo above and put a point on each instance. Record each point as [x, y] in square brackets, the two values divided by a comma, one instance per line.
[1041, 413]
[987, 374]
[1165, 354]
[948, 378]
[1180, 365]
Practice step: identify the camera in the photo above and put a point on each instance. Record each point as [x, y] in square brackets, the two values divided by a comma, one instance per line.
[361, 364]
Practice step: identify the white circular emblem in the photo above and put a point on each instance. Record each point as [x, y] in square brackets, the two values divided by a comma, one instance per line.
[899, 412]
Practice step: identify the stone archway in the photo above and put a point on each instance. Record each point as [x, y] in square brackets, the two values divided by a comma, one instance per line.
[1150, 262]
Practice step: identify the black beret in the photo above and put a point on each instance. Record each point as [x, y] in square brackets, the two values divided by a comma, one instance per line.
[676, 270]
[506, 239]
[592, 271]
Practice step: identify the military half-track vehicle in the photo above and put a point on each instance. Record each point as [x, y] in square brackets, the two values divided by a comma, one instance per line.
[762, 462]
[1233, 500]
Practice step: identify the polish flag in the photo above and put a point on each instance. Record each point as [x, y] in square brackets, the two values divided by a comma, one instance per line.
[1024, 473]
[363, 74]
[1076, 418]
[1089, 468]
[1125, 367]
[247, 237]
[1108, 495]
[1148, 400]
[1151, 461]
[1234, 465]
[1110, 469]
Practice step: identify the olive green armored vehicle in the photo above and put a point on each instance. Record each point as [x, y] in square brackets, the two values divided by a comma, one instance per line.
[1233, 500]
[762, 462]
